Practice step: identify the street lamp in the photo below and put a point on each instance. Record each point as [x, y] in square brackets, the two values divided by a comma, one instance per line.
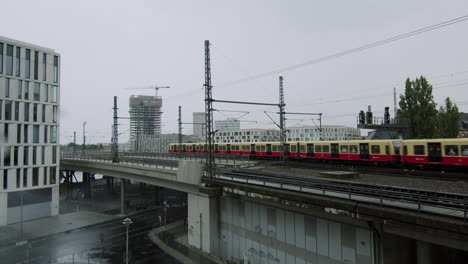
[127, 222]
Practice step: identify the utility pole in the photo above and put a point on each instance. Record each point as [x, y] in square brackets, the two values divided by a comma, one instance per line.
[394, 103]
[180, 127]
[210, 162]
[115, 134]
[282, 114]
[84, 136]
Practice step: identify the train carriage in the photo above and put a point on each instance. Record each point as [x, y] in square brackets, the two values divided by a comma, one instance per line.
[446, 152]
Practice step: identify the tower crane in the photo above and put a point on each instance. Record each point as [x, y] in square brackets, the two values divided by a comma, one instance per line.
[157, 116]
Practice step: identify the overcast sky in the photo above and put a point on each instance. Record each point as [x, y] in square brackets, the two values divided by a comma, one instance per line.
[107, 46]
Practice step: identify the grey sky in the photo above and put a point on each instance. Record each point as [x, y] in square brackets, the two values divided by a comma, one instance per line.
[107, 46]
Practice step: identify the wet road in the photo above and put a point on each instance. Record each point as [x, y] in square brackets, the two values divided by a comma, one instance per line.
[87, 246]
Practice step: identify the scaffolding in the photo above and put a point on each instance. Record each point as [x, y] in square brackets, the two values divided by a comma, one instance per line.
[145, 116]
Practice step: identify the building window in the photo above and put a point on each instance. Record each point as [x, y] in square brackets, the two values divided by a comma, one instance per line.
[54, 114]
[54, 154]
[36, 65]
[26, 155]
[15, 156]
[1, 113]
[26, 90]
[9, 60]
[45, 134]
[44, 67]
[6, 154]
[37, 91]
[26, 112]
[7, 87]
[56, 71]
[46, 92]
[20, 89]
[36, 134]
[34, 112]
[43, 155]
[18, 61]
[8, 110]
[54, 94]
[35, 177]
[5, 179]
[53, 134]
[34, 155]
[52, 178]
[17, 106]
[25, 177]
[44, 177]
[27, 64]
[18, 133]
[1, 57]
[25, 134]
[18, 178]
[43, 113]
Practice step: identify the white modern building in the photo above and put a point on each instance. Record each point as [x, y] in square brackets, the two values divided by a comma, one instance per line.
[227, 125]
[29, 131]
[198, 124]
[312, 133]
[247, 135]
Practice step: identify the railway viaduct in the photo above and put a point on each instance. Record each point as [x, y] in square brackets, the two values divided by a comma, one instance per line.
[263, 222]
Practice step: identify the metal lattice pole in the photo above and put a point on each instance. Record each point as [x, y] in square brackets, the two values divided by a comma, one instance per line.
[180, 128]
[210, 162]
[282, 114]
[115, 134]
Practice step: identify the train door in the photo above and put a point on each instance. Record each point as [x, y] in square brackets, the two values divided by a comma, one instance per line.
[286, 150]
[434, 151]
[268, 149]
[228, 150]
[298, 150]
[216, 149]
[364, 150]
[194, 148]
[335, 153]
[310, 150]
[252, 149]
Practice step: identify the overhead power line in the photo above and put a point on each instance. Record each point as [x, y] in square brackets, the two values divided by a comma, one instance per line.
[347, 52]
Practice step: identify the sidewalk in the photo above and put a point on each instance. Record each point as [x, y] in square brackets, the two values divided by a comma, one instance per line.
[52, 225]
[172, 239]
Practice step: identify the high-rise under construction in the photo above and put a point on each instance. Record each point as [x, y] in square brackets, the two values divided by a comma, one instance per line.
[145, 117]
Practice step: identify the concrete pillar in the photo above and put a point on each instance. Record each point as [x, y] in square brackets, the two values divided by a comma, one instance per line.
[423, 252]
[3, 208]
[122, 196]
[54, 205]
[203, 222]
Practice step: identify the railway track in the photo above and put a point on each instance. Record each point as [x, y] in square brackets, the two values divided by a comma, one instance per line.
[420, 200]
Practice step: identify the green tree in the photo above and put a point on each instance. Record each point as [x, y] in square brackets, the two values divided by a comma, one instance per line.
[418, 107]
[448, 120]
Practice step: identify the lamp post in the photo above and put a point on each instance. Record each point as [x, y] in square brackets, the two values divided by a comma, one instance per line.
[127, 222]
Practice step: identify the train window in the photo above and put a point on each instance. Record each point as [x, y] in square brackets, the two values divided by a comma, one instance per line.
[353, 148]
[451, 150]
[418, 149]
[274, 148]
[257, 148]
[387, 149]
[293, 148]
[405, 150]
[318, 148]
[326, 149]
[303, 148]
[464, 150]
[396, 147]
[262, 148]
[344, 148]
[375, 149]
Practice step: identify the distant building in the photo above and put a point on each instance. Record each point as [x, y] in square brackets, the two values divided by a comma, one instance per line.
[247, 135]
[160, 143]
[198, 124]
[227, 125]
[145, 117]
[29, 131]
[312, 133]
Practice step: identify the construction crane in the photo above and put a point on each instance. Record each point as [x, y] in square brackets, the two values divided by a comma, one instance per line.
[157, 112]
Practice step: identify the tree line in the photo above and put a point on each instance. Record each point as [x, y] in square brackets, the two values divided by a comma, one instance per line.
[417, 106]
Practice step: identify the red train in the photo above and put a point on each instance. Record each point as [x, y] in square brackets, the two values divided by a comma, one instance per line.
[433, 152]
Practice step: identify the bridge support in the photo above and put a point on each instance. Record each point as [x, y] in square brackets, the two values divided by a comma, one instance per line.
[3, 208]
[122, 196]
[203, 220]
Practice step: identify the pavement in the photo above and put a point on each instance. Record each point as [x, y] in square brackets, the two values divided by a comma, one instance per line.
[172, 239]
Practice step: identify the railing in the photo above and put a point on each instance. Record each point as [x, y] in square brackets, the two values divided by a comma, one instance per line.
[417, 200]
